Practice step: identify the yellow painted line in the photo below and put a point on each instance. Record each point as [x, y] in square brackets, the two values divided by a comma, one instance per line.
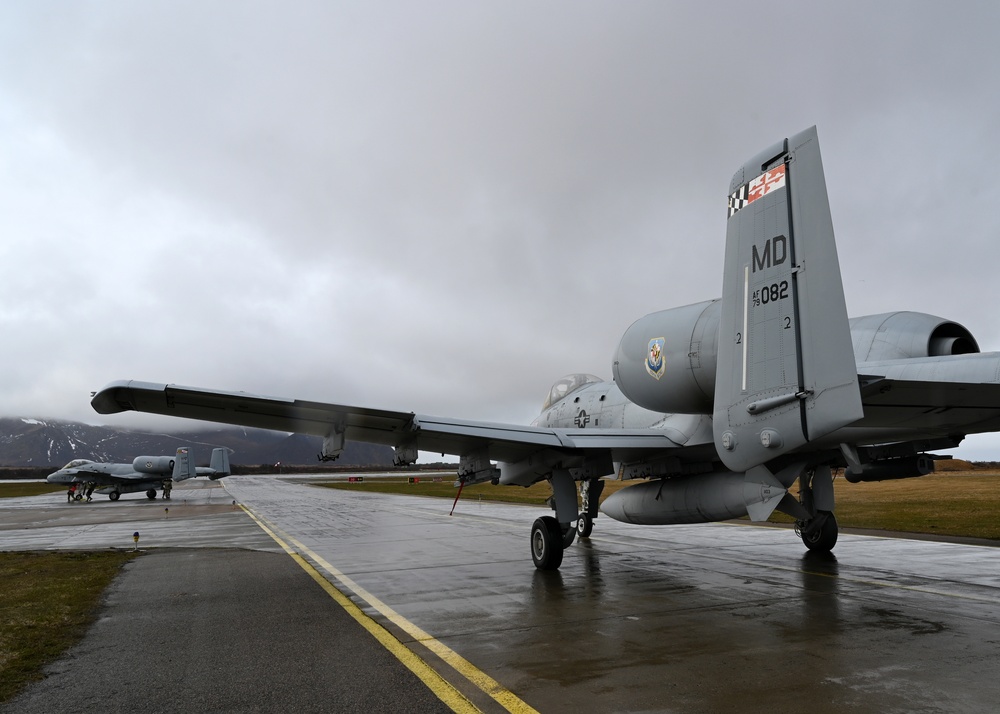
[503, 696]
[507, 699]
[434, 681]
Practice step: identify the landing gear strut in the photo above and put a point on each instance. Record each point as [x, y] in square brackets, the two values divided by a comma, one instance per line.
[550, 536]
[819, 531]
[568, 535]
[590, 495]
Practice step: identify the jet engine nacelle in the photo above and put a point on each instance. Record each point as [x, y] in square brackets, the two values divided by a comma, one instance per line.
[666, 360]
[904, 335]
[154, 464]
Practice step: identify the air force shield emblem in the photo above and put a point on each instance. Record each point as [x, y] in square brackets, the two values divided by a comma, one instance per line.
[656, 365]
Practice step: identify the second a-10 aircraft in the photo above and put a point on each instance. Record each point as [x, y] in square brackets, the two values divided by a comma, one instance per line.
[145, 473]
[718, 407]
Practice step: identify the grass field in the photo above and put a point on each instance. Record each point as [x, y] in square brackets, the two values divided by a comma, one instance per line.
[953, 503]
[949, 503]
[47, 601]
[16, 490]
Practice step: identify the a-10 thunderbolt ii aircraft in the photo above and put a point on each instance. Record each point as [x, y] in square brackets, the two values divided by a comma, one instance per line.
[719, 407]
[145, 473]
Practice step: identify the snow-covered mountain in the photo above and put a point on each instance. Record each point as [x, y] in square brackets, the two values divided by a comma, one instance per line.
[36, 442]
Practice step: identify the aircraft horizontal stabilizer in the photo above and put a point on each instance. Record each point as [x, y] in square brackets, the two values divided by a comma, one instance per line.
[219, 464]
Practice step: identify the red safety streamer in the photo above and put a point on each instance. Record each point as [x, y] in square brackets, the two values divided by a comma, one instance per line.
[461, 485]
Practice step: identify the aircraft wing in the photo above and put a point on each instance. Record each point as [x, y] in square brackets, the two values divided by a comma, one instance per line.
[100, 474]
[501, 442]
[103, 478]
[965, 407]
[95, 470]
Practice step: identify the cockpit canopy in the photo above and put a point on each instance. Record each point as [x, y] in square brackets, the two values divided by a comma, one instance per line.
[77, 463]
[566, 386]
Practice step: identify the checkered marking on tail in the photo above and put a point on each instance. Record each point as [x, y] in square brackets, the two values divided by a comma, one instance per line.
[738, 200]
[758, 188]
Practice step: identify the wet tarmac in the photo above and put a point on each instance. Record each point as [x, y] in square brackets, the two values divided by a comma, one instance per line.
[705, 618]
[200, 514]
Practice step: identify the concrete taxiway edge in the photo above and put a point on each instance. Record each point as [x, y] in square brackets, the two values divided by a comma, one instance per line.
[434, 681]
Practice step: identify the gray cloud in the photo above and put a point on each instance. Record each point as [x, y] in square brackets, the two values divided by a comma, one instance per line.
[446, 207]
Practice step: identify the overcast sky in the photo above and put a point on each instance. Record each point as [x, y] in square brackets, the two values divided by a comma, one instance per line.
[445, 206]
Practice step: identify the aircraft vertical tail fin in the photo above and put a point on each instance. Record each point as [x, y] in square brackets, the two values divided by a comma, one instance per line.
[786, 373]
[183, 465]
[220, 463]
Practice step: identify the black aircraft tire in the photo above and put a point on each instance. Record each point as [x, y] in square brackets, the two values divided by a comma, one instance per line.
[151, 494]
[823, 540]
[114, 495]
[585, 526]
[546, 543]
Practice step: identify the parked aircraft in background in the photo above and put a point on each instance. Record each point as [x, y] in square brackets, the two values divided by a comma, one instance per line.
[145, 473]
[720, 407]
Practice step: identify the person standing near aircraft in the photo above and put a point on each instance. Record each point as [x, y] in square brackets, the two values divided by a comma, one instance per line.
[168, 485]
[90, 491]
[70, 493]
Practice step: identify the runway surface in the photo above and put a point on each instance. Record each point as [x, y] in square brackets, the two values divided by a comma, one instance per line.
[715, 617]
[223, 631]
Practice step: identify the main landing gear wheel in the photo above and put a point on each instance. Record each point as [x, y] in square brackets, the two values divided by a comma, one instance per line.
[114, 495]
[585, 526]
[151, 494]
[820, 539]
[546, 543]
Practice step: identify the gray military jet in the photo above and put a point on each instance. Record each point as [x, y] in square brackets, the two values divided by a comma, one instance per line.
[145, 473]
[718, 407]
